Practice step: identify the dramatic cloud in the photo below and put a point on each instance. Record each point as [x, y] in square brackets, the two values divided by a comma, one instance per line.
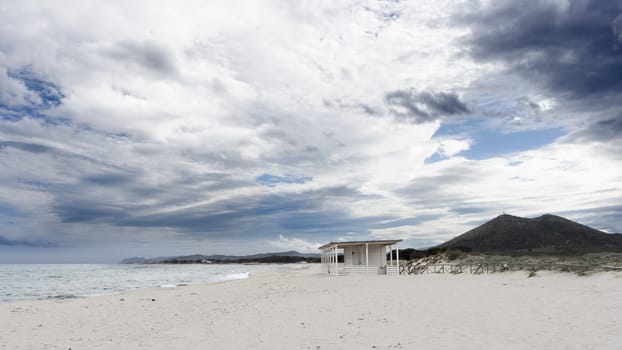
[617, 28]
[564, 56]
[20, 242]
[609, 130]
[152, 128]
[421, 107]
[28, 147]
[570, 46]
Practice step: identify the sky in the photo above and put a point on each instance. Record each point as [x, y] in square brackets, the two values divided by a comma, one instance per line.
[150, 128]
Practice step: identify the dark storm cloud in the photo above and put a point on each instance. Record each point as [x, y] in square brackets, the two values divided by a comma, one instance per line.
[240, 216]
[574, 49]
[366, 108]
[604, 131]
[89, 211]
[108, 179]
[148, 55]
[24, 146]
[421, 107]
[602, 218]
[258, 215]
[205, 222]
[22, 242]
[52, 151]
[617, 29]
[116, 198]
[369, 109]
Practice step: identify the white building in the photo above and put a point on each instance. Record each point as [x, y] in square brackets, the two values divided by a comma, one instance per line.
[360, 257]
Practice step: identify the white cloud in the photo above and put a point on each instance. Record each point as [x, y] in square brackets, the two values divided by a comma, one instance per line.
[560, 178]
[296, 244]
[451, 147]
[174, 110]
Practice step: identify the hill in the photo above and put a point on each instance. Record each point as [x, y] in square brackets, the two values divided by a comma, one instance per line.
[548, 234]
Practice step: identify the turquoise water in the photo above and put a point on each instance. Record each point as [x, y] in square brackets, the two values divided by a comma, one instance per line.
[60, 281]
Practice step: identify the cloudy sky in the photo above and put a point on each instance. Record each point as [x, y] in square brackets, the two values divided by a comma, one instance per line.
[150, 128]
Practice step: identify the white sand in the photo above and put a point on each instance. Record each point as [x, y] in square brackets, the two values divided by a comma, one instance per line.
[301, 309]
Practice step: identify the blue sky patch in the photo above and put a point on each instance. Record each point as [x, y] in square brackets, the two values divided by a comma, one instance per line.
[49, 93]
[274, 180]
[8, 210]
[49, 96]
[488, 142]
[436, 157]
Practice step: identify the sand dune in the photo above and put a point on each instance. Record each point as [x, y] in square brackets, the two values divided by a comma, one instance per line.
[301, 309]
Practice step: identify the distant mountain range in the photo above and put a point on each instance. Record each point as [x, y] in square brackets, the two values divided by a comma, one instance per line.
[547, 234]
[264, 257]
[505, 234]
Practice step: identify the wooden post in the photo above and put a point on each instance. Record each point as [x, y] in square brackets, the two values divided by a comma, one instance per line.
[366, 257]
[397, 256]
[327, 259]
[391, 254]
[325, 262]
[336, 262]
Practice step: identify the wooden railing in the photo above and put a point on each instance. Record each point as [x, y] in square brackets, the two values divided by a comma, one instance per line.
[357, 270]
[345, 270]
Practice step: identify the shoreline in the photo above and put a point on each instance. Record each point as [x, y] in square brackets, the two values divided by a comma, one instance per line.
[300, 308]
[141, 290]
[78, 281]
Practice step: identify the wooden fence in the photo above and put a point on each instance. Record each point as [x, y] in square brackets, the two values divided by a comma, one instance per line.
[417, 269]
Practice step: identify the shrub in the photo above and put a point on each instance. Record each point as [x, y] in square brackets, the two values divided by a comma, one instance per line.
[454, 254]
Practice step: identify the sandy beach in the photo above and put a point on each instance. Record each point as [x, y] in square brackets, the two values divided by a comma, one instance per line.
[302, 309]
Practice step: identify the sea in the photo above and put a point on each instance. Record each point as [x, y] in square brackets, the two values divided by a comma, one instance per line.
[21, 282]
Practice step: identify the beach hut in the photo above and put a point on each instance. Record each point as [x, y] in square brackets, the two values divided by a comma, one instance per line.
[360, 257]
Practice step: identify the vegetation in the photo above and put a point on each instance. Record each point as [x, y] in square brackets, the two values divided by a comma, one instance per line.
[410, 254]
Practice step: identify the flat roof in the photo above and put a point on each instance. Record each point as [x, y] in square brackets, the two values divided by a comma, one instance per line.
[348, 243]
